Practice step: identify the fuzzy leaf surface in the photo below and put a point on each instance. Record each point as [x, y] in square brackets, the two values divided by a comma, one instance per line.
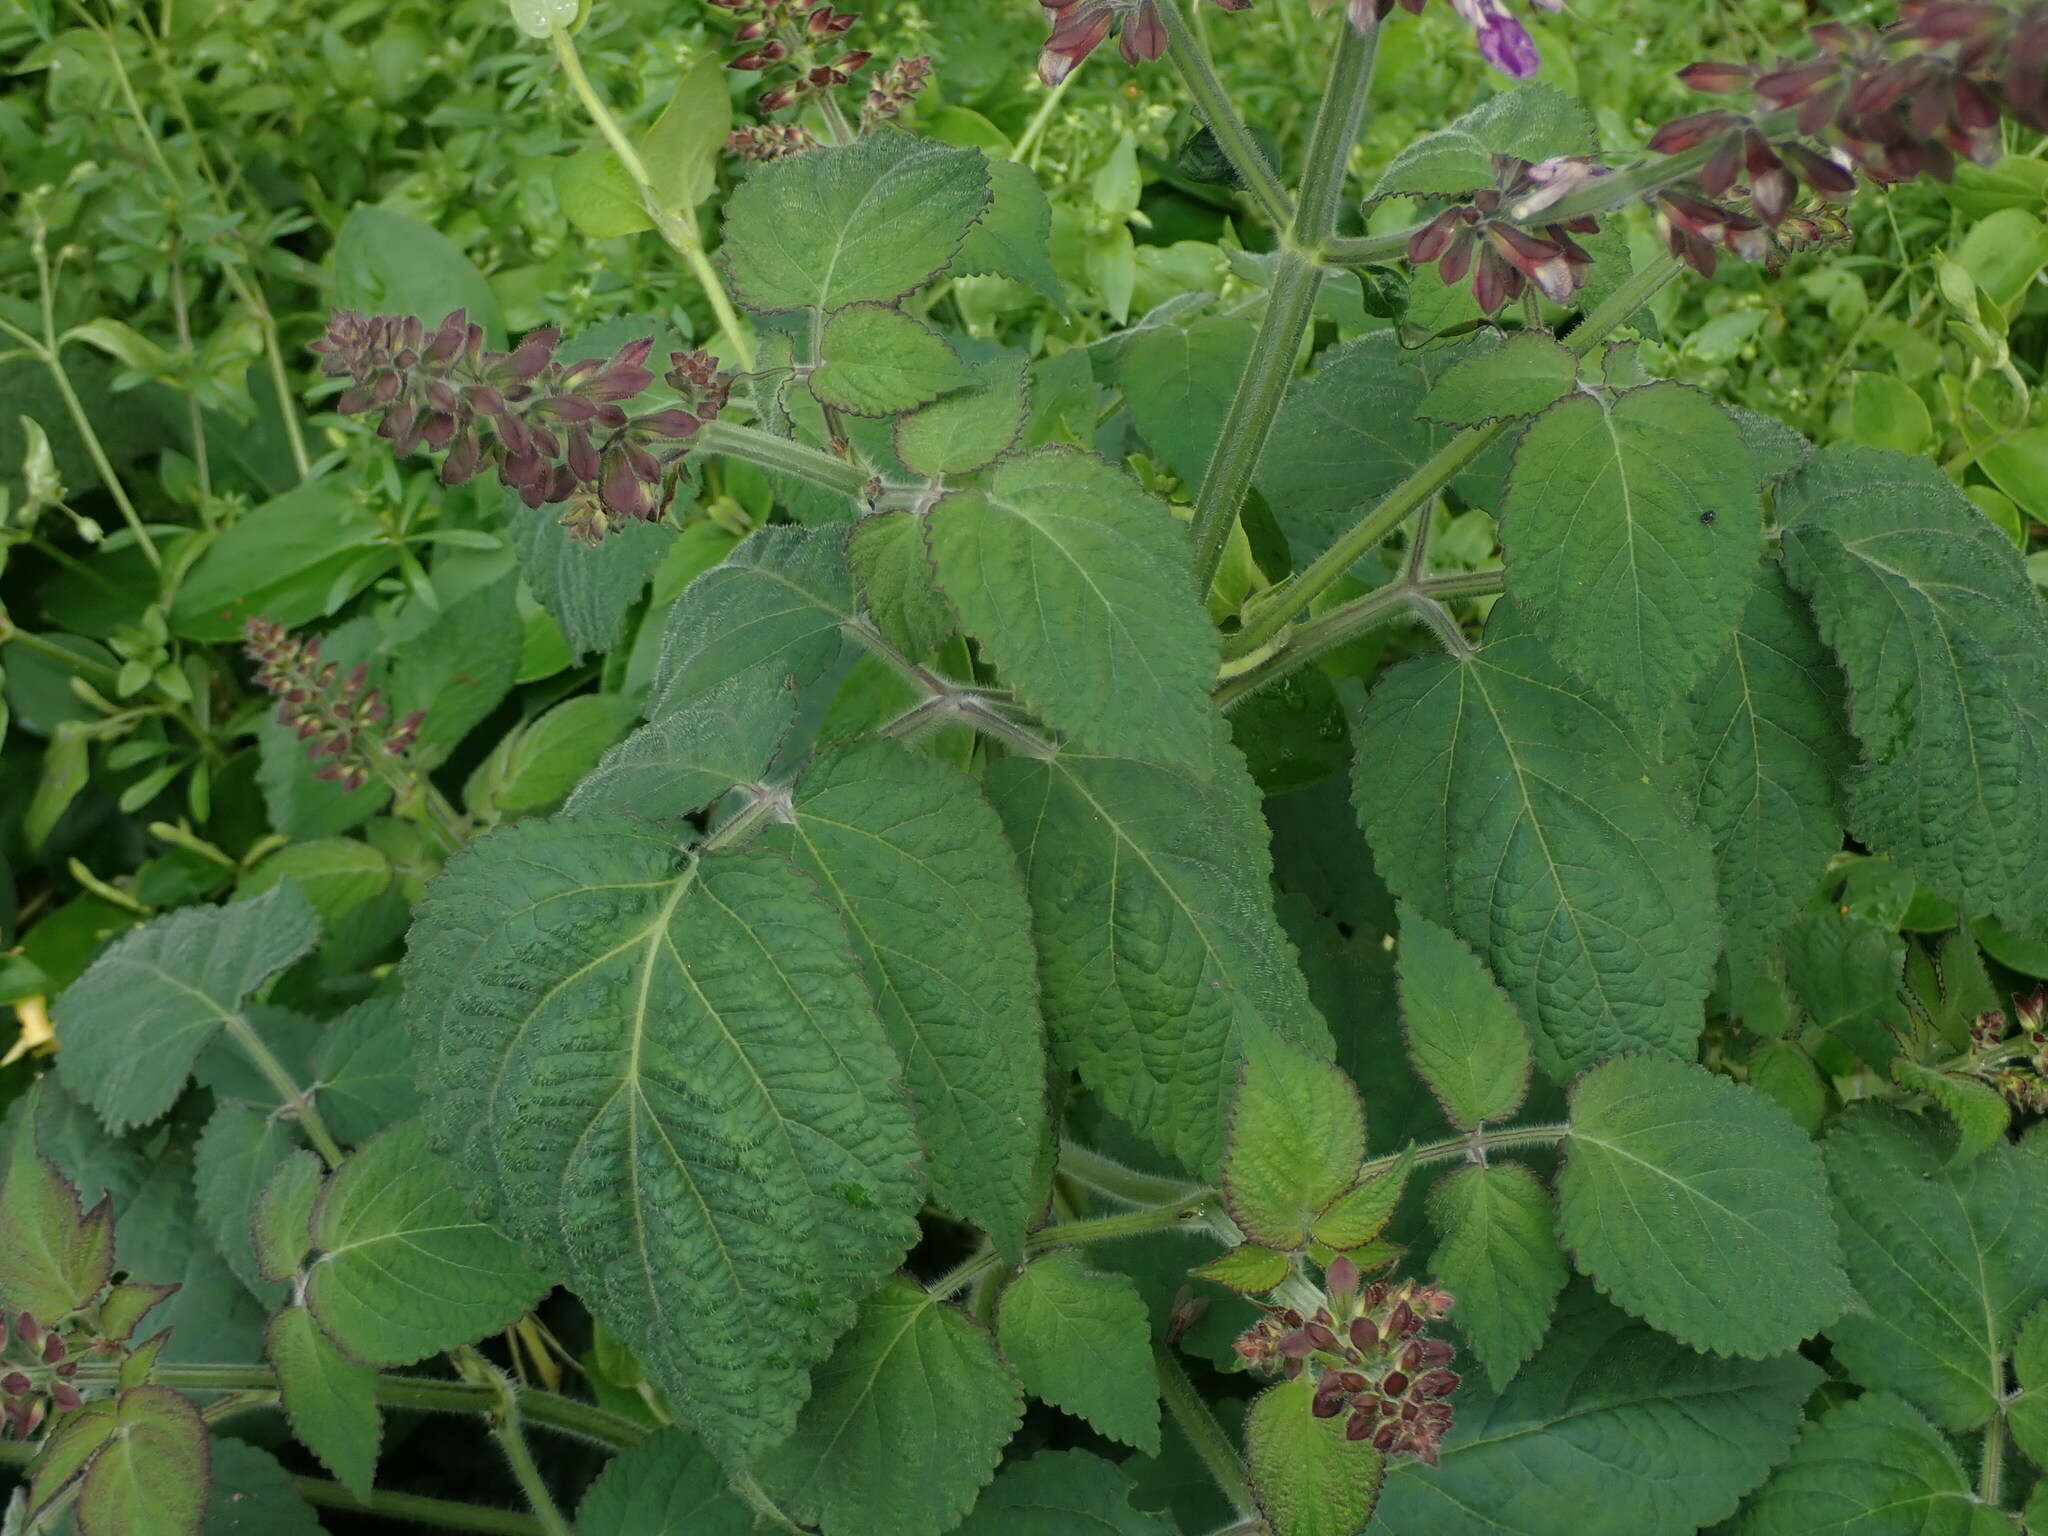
[1062, 1493]
[1521, 376]
[281, 1230]
[363, 1065]
[976, 426]
[238, 1152]
[668, 1485]
[1530, 122]
[1014, 238]
[687, 757]
[330, 1399]
[57, 1255]
[1497, 1253]
[1309, 1480]
[898, 582]
[1297, 1136]
[1465, 1038]
[874, 360]
[1078, 1340]
[253, 1496]
[1177, 382]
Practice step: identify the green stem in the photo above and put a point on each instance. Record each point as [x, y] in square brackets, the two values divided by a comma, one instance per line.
[1212, 104]
[1991, 1472]
[784, 456]
[677, 226]
[9, 635]
[1026, 152]
[1338, 121]
[420, 1509]
[1194, 1420]
[1107, 1176]
[1473, 1147]
[507, 1430]
[1171, 1216]
[296, 1100]
[1317, 637]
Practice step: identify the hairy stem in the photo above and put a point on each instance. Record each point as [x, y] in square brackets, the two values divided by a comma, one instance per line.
[1193, 1418]
[1107, 1176]
[297, 1101]
[1173, 1215]
[510, 1434]
[1472, 1148]
[1991, 1472]
[1213, 105]
[785, 456]
[419, 1509]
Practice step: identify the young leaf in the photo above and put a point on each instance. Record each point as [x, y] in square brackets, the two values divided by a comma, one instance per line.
[1773, 742]
[1079, 1341]
[281, 1231]
[1945, 648]
[1014, 238]
[1979, 1111]
[961, 433]
[859, 223]
[668, 1485]
[1626, 1431]
[1157, 945]
[57, 1255]
[914, 859]
[1846, 973]
[330, 1400]
[874, 360]
[1358, 1216]
[1247, 1268]
[897, 580]
[682, 149]
[1060, 1493]
[664, 1076]
[1530, 122]
[135, 1022]
[402, 1270]
[905, 1424]
[687, 757]
[1697, 1204]
[1630, 547]
[1077, 585]
[1872, 1465]
[1521, 376]
[150, 1477]
[238, 1152]
[1785, 1072]
[1507, 805]
[1946, 1261]
[1308, 1478]
[1466, 1040]
[1498, 1255]
[1177, 383]
[1297, 1136]
[363, 1065]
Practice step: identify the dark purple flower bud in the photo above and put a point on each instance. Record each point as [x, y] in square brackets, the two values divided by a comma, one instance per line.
[1716, 79]
[15, 1384]
[1436, 1384]
[1685, 132]
[1365, 1333]
[65, 1397]
[1538, 260]
[1329, 1399]
[1394, 1383]
[622, 490]
[1823, 175]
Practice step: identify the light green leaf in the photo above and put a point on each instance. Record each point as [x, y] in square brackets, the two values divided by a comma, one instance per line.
[1872, 1467]
[57, 1257]
[1530, 122]
[877, 361]
[1248, 1268]
[668, 1485]
[457, 670]
[1297, 1136]
[1698, 1205]
[240, 1149]
[961, 433]
[1618, 1430]
[67, 769]
[1768, 718]
[1309, 1480]
[1942, 639]
[402, 1269]
[387, 263]
[905, 1424]
[1507, 805]
[664, 1076]
[135, 1022]
[688, 756]
[336, 874]
[1359, 1215]
[1497, 1253]
[1079, 588]
[1013, 238]
[141, 1483]
[252, 1495]
[1946, 1262]
[1979, 1111]
[363, 1065]
[681, 151]
[281, 1231]
[536, 766]
[1785, 1072]
[860, 223]
[1157, 945]
[597, 196]
[587, 592]
[1080, 1340]
[292, 559]
[330, 1400]
[898, 583]
[1525, 373]
[1178, 381]
[1627, 549]
[1062, 1493]
[1464, 1036]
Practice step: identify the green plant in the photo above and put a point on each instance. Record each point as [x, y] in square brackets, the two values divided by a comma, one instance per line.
[913, 898]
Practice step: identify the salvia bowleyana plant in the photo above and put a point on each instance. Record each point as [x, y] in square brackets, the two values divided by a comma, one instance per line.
[1104, 967]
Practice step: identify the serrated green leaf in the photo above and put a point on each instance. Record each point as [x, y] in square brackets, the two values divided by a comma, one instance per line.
[150, 1477]
[1525, 373]
[57, 1255]
[402, 1269]
[1157, 945]
[1773, 742]
[253, 1496]
[1872, 1467]
[1846, 973]
[1698, 1205]
[457, 670]
[1945, 1261]
[1177, 382]
[961, 433]
[1013, 238]
[363, 1065]
[586, 591]
[281, 1231]
[330, 1399]
[1626, 550]
[1530, 122]
[905, 1424]
[1079, 588]
[1507, 805]
[897, 580]
[1362, 1212]
[1612, 1429]
[1497, 1253]
[1309, 1480]
[238, 1152]
[1979, 1111]
[1465, 1038]
[860, 223]
[668, 1485]
[1942, 639]
[681, 151]
[135, 1022]
[701, 1124]
[874, 360]
[1080, 1340]
[1062, 1493]
[1248, 1268]
[1297, 1136]
[914, 860]
[687, 757]
[1785, 1072]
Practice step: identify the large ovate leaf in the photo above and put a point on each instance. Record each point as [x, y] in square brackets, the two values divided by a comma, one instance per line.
[1942, 639]
[1872, 1467]
[1497, 1253]
[905, 1424]
[1698, 1204]
[330, 1399]
[1062, 1493]
[688, 756]
[664, 1075]
[668, 1485]
[135, 1022]
[1308, 1478]
[1157, 945]
[1629, 547]
[1508, 805]
[1946, 1261]
[1771, 744]
[1079, 1340]
[1612, 1429]
[1079, 588]
[911, 855]
[1297, 1136]
[859, 223]
[1464, 1036]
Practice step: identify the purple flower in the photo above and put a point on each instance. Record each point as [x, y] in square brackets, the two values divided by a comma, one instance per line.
[1503, 41]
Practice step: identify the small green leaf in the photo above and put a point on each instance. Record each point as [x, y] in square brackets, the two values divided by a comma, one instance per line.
[1497, 1253]
[282, 1229]
[1297, 1136]
[240, 1150]
[874, 360]
[1783, 1070]
[1309, 1480]
[1362, 1212]
[1013, 238]
[898, 582]
[67, 769]
[587, 592]
[1978, 1110]
[150, 1479]
[681, 151]
[1248, 1268]
[668, 1485]
[967, 430]
[1080, 1341]
[330, 1399]
[1698, 1205]
[1519, 377]
[1058, 1493]
[597, 196]
[363, 1065]
[1530, 122]
[1465, 1038]
[57, 1256]
[1846, 973]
